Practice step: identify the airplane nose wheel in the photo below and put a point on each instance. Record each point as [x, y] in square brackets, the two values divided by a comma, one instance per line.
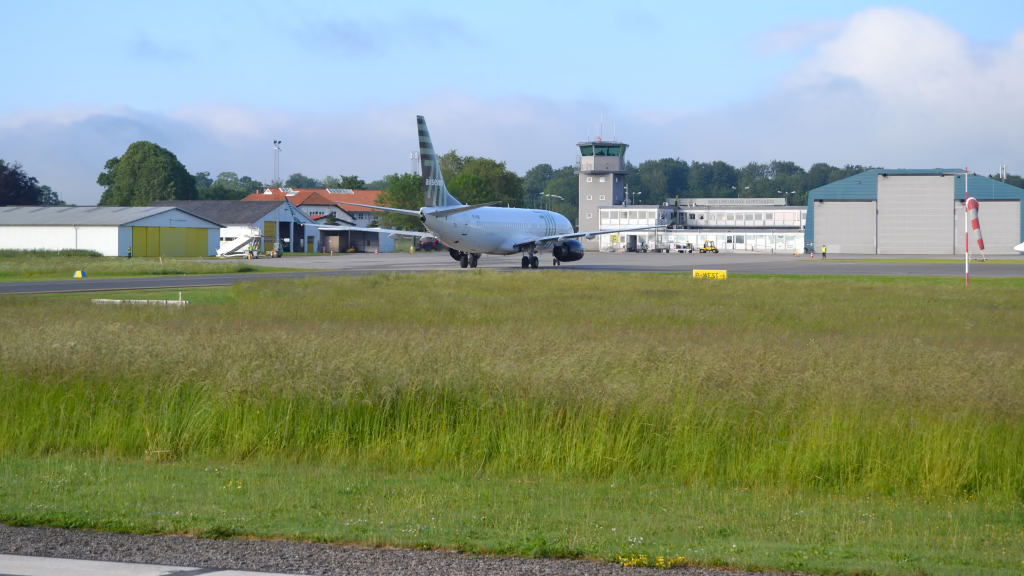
[464, 260]
[555, 262]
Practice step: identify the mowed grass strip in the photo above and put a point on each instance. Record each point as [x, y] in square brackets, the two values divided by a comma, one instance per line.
[46, 265]
[524, 514]
[851, 389]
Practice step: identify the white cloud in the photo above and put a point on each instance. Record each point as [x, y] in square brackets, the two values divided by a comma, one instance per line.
[889, 88]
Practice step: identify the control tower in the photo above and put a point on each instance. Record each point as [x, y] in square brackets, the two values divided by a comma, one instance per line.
[602, 177]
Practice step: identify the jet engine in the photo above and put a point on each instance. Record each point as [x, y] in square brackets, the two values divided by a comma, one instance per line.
[571, 251]
[456, 255]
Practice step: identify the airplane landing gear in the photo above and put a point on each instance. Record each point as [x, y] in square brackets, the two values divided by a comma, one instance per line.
[473, 259]
[556, 262]
[464, 260]
[534, 262]
[526, 261]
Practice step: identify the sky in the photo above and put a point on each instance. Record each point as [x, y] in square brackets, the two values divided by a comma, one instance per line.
[899, 85]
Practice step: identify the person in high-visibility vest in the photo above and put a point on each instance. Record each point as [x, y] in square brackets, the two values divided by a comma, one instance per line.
[129, 252]
[824, 252]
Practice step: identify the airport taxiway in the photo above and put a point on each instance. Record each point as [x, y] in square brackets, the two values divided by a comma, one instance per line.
[358, 264]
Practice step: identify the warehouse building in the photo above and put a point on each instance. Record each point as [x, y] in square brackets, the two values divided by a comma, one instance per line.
[274, 222]
[745, 224]
[109, 230]
[913, 212]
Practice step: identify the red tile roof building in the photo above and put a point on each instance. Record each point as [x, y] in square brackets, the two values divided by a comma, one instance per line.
[319, 201]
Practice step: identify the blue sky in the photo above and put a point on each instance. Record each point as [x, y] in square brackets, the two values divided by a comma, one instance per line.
[909, 84]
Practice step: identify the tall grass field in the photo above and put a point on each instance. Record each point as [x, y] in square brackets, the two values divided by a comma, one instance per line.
[53, 264]
[836, 388]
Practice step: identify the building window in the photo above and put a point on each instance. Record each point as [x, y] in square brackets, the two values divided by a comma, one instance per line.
[590, 178]
[589, 215]
[589, 197]
[692, 217]
[602, 197]
[601, 179]
[616, 178]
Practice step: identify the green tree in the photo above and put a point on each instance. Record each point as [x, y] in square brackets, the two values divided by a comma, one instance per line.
[404, 191]
[203, 183]
[16, 186]
[534, 182]
[47, 197]
[658, 180]
[106, 179]
[299, 180]
[380, 183]
[563, 193]
[144, 174]
[451, 164]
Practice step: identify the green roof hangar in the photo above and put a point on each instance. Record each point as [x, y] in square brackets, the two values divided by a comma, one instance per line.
[906, 211]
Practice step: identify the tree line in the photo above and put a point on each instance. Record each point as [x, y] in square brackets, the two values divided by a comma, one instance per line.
[147, 172]
[17, 188]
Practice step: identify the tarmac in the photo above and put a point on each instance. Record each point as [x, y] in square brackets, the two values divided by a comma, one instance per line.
[673, 263]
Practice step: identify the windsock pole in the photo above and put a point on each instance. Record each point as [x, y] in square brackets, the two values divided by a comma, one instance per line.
[967, 242]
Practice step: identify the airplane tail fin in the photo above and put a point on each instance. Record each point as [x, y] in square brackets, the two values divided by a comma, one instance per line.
[434, 191]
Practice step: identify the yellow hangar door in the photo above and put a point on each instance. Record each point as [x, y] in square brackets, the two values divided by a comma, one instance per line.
[172, 241]
[155, 241]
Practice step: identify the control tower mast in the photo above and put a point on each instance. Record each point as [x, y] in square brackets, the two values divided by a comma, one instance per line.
[602, 177]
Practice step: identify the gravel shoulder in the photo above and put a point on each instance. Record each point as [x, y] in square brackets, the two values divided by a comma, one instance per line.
[294, 557]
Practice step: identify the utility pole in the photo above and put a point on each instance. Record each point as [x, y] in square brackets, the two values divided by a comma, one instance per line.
[277, 160]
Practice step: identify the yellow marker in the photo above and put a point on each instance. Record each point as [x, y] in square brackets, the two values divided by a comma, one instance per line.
[710, 274]
[79, 274]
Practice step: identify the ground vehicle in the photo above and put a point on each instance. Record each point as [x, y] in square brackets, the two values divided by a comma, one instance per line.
[429, 244]
[709, 246]
[684, 247]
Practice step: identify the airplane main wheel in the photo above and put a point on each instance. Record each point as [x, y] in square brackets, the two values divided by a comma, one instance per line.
[526, 261]
[535, 262]
[464, 261]
[473, 260]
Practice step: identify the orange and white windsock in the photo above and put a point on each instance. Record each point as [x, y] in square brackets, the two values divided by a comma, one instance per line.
[972, 213]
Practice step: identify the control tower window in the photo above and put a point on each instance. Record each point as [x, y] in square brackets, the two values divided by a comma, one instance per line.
[608, 151]
[586, 150]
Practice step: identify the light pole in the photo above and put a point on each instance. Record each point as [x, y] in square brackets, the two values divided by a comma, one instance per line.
[635, 193]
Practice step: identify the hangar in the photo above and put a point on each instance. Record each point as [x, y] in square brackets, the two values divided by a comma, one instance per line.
[273, 223]
[109, 230]
[907, 211]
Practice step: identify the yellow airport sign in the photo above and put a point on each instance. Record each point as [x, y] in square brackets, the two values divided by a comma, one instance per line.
[710, 274]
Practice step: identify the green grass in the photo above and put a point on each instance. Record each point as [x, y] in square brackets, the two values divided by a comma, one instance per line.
[729, 404]
[45, 265]
[531, 514]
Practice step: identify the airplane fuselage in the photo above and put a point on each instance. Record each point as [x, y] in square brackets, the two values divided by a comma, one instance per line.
[493, 230]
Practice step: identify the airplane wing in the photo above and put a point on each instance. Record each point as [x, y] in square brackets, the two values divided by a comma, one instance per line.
[385, 230]
[588, 235]
[382, 208]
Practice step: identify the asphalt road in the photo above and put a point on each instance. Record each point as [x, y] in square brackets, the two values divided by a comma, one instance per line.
[735, 263]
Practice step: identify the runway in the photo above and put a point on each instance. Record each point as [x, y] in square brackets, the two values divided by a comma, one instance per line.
[358, 264]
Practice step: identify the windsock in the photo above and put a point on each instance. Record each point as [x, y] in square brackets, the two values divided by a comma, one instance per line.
[972, 212]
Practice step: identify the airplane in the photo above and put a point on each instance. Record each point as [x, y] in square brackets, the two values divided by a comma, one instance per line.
[472, 230]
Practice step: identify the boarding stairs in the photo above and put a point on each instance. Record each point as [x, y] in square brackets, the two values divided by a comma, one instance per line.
[240, 246]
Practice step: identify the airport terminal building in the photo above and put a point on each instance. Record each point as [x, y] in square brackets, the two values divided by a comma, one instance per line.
[745, 224]
[913, 212]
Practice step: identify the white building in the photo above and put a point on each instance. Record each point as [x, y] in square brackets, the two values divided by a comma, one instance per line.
[749, 224]
[109, 230]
